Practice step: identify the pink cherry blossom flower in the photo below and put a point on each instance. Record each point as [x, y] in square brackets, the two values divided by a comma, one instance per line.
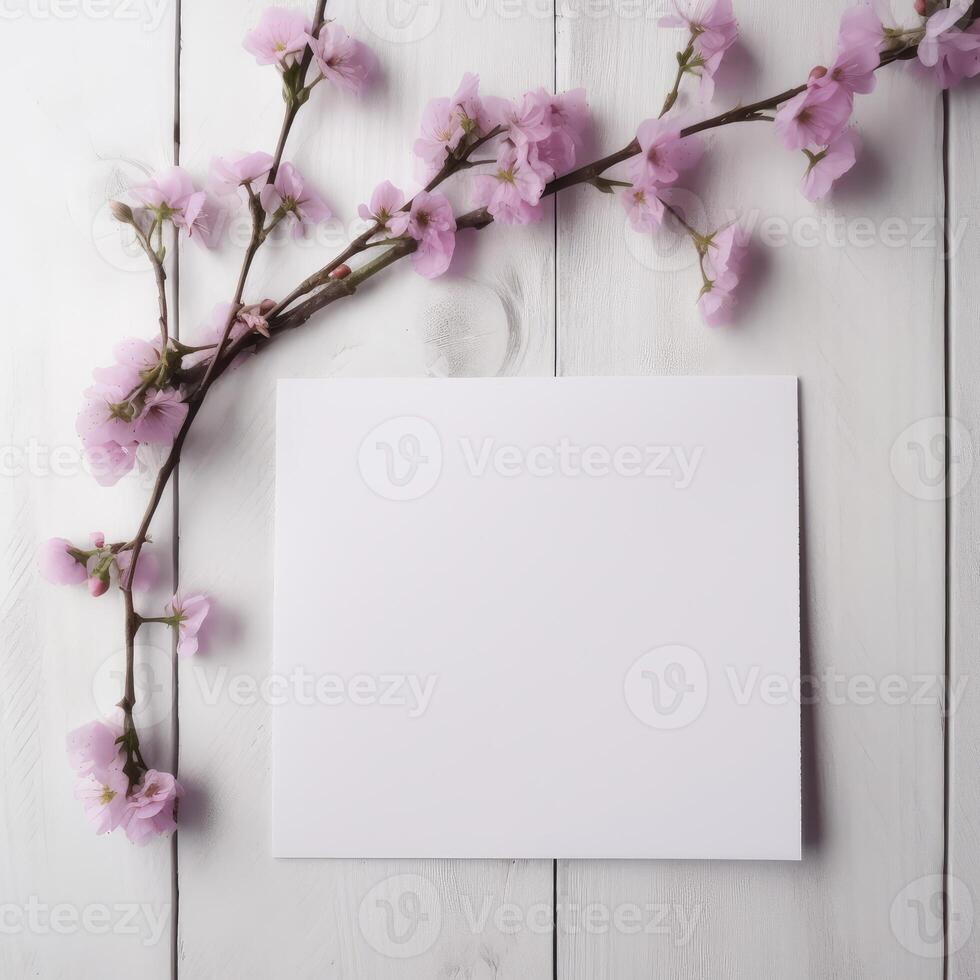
[717, 300]
[386, 201]
[251, 318]
[58, 565]
[643, 206]
[445, 122]
[147, 569]
[951, 54]
[104, 416]
[110, 461]
[162, 415]
[511, 193]
[568, 117]
[527, 121]
[254, 317]
[728, 251]
[570, 114]
[828, 164]
[853, 69]
[104, 799]
[724, 263]
[342, 60]
[664, 153]
[150, 810]
[817, 116]
[137, 355]
[230, 174]
[469, 106]
[861, 26]
[280, 37]
[171, 196]
[125, 377]
[713, 31]
[441, 133]
[432, 224]
[189, 612]
[92, 748]
[964, 60]
[300, 204]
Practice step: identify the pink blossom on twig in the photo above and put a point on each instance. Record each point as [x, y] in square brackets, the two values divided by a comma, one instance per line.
[57, 565]
[280, 37]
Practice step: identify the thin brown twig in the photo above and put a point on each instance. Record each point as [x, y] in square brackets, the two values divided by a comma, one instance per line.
[160, 275]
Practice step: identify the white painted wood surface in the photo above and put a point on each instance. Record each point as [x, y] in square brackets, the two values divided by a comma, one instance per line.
[77, 130]
[861, 322]
[964, 534]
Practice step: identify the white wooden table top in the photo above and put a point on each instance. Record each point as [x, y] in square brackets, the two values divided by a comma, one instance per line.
[851, 296]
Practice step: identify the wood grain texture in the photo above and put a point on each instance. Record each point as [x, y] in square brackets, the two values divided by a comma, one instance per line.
[93, 121]
[242, 913]
[852, 302]
[862, 326]
[963, 488]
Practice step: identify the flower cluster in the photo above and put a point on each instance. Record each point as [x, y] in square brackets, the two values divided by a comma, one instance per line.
[132, 403]
[537, 139]
[62, 563]
[815, 121]
[144, 811]
[542, 134]
[281, 38]
[170, 195]
[284, 197]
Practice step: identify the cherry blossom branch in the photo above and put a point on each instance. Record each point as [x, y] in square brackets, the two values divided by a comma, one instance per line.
[294, 101]
[134, 763]
[282, 319]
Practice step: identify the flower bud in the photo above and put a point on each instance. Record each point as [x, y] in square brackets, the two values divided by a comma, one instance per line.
[98, 539]
[818, 72]
[920, 7]
[341, 272]
[121, 212]
[97, 586]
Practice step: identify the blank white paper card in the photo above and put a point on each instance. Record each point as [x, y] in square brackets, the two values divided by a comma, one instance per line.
[535, 618]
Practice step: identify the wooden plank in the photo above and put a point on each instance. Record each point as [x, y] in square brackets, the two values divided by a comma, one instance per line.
[492, 315]
[963, 488]
[862, 326]
[93, 120]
